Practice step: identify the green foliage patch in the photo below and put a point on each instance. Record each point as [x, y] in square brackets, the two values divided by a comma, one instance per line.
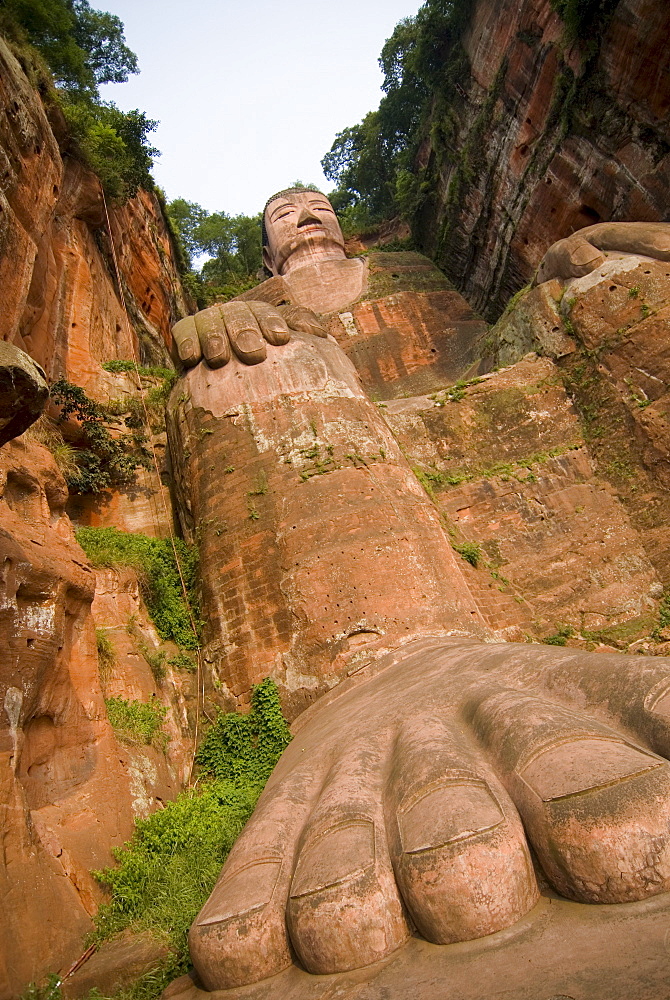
[231, 244]
[137, 722]
[560, 637]
[663, 616]
[469, 551]
[113, 143]
[102, 461]
[168, 869]
[154, 561]
[68, 43]
[372, 163]
[106, 653]
[584, 18]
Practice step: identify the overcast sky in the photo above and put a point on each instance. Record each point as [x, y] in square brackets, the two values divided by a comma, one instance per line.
[250, 95]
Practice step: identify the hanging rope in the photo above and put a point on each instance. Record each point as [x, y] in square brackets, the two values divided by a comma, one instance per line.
[200, 690]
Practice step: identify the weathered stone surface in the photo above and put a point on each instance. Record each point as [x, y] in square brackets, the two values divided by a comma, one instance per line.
[318, 547]
[70, 790]
[116, 964]
[508, 466]
[23, 392]
[593, 956]
[409, 783]
[532, 324]
[60, 759]
[535, 160]
[614, 324]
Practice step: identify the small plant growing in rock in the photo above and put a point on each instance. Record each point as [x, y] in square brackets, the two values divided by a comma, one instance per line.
[469, 551]
[182, 661]
[154, 561]
[136, 722]
[106, 653]
[560, 637]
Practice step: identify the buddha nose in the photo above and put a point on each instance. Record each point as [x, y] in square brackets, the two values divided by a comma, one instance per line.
[307, 218]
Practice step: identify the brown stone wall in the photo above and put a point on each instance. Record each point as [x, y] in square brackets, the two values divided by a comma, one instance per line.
[548, 140]
[69, 789]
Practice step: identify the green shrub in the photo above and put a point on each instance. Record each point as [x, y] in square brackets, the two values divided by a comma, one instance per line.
[182, 661]
[584, 18]
[154, 561]
[151, 371]
[48, 990]
[103, 461]
[106, 653]
[663, 616]
[168, 869]
[156, 658]
[469, 551]
[560, 637]
[246, 747]
[137, 722]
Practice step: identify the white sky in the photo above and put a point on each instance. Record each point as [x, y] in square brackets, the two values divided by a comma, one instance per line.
[250, 95]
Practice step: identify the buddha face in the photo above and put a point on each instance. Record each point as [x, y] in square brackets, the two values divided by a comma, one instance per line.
[301, 228]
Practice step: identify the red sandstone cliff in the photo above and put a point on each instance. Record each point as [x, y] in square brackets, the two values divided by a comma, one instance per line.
[549, 138]
[60, 301]
[69, 788]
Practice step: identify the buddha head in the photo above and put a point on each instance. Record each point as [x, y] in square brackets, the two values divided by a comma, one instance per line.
[300, 227]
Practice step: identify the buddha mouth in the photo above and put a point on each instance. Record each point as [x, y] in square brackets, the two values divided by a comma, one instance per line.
[312, 228]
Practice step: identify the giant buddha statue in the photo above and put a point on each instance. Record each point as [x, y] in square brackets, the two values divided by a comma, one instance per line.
[451, 807]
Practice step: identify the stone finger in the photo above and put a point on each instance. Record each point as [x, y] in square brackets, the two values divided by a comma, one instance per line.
[344, 909]
[303, 320]
[185, 335]
[596, 806]
[272, 324]
[213, 337]
[458, 847]
[244, 333]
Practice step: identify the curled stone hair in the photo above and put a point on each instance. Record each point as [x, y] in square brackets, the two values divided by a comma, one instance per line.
[281, 194]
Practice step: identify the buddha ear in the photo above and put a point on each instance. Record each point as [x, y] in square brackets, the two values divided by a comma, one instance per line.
[267, 260]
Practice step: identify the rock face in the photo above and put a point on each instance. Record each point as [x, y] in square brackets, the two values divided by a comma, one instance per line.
[23, 392]
[71, 786]
[60, 301]
[508, 465]
[70, 789]
[549, 138]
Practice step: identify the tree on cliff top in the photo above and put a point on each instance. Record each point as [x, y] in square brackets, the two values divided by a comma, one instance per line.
[82, 47]
[369, 162]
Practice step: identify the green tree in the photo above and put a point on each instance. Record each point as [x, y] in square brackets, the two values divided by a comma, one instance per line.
[372, 163]
[231, 243]
[82, 47]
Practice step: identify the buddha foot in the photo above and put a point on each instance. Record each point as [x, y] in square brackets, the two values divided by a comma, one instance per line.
[456, 795]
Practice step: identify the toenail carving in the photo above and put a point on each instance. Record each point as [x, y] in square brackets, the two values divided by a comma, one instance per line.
[336, 856]
[658, 699]
[446, 814]
[248, 889]
[582, 765]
